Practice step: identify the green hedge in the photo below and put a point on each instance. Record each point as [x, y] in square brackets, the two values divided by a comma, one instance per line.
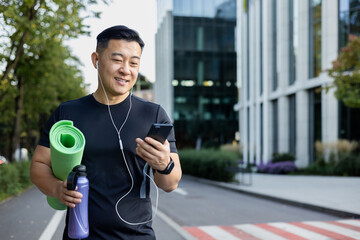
[346, 165]
[282, 157]
[212, 164]
[14, 178]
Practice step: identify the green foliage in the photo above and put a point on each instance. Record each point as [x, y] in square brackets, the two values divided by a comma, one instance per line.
[319, 167]
[282, 157]
[209, 163]
[38, 70]
[349, 165]
[342, 164]
[14, 177]
[346, 73]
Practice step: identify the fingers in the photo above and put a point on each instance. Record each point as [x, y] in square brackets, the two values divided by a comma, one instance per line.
[150, 148]
[155, 153]
[68, 197]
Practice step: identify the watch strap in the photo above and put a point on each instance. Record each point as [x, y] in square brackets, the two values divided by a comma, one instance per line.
[168, 169]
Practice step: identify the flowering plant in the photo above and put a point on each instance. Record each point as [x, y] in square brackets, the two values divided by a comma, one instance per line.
[277, 168]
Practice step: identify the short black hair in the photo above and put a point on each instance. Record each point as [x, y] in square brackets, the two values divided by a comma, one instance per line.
[117, 32]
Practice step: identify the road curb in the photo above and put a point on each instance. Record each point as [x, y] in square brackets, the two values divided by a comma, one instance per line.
[175, 226]
[331, 211]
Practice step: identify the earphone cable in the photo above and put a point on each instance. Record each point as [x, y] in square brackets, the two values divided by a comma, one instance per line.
[118, 131]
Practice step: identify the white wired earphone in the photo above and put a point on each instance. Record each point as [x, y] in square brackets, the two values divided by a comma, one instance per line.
[118, 131]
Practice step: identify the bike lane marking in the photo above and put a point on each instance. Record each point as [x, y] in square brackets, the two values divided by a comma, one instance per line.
[52, 226]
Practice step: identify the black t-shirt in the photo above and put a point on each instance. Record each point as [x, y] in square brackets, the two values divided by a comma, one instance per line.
[108, 176]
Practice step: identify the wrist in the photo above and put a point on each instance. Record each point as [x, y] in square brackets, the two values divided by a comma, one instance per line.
[168, 168]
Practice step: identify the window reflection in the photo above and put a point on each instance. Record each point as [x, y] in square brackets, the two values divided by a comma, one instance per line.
[315, 38]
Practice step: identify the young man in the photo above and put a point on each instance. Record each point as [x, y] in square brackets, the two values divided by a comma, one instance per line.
[117, 152]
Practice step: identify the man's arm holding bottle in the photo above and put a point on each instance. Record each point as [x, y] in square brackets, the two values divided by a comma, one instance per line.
[42, 176]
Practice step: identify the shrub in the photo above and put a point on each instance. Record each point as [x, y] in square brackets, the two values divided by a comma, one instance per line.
[282, 167]
[348, 165]
[282, 157]
[209, 163]
[342, 159]
[319, 167]
[14, 177]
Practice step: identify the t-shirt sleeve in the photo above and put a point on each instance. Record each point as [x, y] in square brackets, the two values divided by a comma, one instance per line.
[44, 137]
[164, 118]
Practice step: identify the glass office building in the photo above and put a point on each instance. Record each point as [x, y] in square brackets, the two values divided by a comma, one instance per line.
[196, 69]
[284, 48]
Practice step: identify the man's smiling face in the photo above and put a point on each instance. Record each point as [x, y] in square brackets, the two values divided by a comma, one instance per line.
[118, 67]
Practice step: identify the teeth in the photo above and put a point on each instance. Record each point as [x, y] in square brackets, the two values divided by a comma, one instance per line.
[118, 79]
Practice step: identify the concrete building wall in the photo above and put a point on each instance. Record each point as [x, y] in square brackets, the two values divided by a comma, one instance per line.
[163, 89]
[262, 64]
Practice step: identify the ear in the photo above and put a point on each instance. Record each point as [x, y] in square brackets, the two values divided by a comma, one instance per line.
[95, 59]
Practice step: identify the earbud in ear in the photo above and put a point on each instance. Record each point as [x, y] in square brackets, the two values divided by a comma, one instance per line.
[97, 64]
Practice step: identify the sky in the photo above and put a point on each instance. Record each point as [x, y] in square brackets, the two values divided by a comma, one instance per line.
[139, 15]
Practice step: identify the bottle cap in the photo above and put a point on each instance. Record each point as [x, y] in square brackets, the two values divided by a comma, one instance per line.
[78, 171]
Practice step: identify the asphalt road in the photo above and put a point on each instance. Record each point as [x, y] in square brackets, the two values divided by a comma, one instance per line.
[198, 204]
[192, 204]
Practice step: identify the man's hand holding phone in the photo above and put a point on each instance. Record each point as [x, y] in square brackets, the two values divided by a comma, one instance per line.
[155, 149]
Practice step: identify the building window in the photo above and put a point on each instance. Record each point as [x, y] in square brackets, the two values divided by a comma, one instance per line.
[293, 39]
[315, 38]
[204, 72]
[349, 22]
[248, 132]
[261, 48]
[261, 132]
[274, 46]
[247, 55]
[275, 131]
[292, 124]
[314, 121]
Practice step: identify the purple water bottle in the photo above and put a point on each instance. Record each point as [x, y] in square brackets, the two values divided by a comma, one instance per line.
[78, 226]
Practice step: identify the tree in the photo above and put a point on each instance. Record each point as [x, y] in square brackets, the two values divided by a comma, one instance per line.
[346, 73]
[38, 69]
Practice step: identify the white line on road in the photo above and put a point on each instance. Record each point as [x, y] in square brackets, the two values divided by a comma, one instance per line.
[175, 226]
[181, 191]
[52, 226]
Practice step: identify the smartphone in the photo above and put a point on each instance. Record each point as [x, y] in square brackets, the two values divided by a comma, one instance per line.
[160, 131]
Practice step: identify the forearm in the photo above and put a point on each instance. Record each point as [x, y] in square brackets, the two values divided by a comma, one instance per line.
[42, 176]
[169, 182]
[41, 173]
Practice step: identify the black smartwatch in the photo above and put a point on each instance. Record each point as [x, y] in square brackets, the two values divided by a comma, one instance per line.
[168, 169]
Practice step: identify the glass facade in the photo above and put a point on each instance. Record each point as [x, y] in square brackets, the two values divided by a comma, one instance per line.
[314, 122]
[275, 123]
[292, 124]
[274, 45]
[261, 48]
[293, 39]
[204, 72]
[349, 20]
[349, 23]
[315, 38]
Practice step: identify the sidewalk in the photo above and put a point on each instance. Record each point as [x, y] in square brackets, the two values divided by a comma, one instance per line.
[334, 195]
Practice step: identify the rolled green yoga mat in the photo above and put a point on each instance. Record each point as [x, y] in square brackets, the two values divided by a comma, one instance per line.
[66, 147]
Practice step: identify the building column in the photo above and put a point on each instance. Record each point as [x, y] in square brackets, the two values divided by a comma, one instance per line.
[163, 89]
[302, 97]
[283, 77]
[330, 36]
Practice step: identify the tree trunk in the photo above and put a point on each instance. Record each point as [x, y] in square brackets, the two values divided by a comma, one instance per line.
[15, 134]
[11, 64]
[19, 52]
